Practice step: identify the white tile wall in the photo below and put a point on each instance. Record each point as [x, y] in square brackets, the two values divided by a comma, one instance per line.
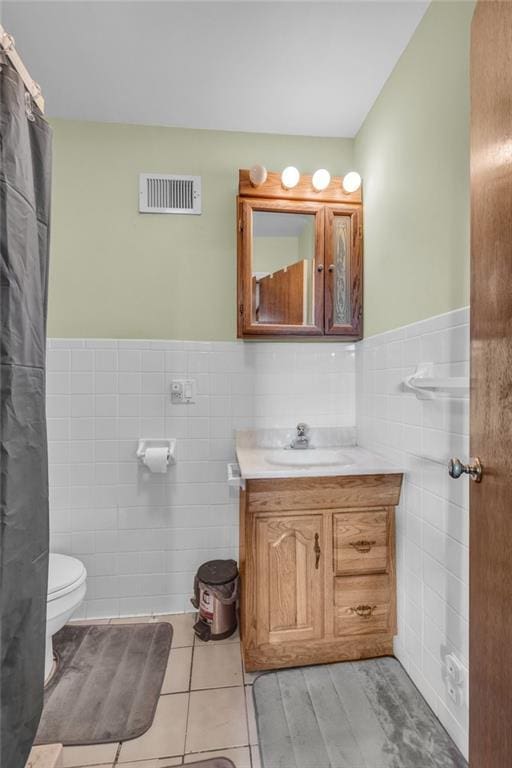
[433, 518]
[142, 536]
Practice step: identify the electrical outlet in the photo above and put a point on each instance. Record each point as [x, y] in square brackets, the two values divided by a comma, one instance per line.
[454, 669]
[454, 691]
[183, 391]
[455, 679]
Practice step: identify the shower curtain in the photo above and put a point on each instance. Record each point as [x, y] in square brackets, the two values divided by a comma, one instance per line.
[25, 168]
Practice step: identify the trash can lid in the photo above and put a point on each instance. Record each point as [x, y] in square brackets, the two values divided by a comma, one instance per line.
[216, 572]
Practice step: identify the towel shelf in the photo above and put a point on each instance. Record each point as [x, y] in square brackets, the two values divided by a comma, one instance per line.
[426, 385]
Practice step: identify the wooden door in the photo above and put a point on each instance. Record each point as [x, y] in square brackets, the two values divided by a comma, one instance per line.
[491, 387]
[282, 295]
[344, 272]
[290, 578]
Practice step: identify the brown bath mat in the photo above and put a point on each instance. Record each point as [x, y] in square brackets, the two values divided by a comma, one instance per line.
[107, 683]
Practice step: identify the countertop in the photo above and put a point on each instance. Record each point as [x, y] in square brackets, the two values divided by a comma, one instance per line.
[254, 450]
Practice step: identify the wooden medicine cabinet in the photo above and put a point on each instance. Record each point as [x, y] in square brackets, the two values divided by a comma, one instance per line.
[300, 269]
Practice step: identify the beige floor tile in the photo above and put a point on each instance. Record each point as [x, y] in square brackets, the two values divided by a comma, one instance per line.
[132, 620]
[177, 674]
[96, 754]
[241, 757]
[251, 716]
[235, 638]
[250, 677]
[103, 765]
[45, 756]
[90, 621]
[216, 720]
[216, 666]
[182, 623]
[166, 737]
[164, 762]
[255, 757]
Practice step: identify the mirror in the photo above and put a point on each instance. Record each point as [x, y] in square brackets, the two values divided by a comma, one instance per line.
[283, 259]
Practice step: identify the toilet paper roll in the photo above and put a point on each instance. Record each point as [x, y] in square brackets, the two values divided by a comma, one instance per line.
[156, 459]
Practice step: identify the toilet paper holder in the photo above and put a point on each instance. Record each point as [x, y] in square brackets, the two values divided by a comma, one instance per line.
[169, 443]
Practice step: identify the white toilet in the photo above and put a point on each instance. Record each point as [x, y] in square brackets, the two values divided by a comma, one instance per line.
[66, 591]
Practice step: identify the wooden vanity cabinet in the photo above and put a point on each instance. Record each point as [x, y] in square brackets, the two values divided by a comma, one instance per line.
[317, 563]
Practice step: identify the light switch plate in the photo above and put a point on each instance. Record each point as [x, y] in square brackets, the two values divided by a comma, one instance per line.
[183, 391]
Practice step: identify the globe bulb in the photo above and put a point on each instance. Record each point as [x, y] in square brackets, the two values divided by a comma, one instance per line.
[290, 177]
[351, 182]
[321, 179]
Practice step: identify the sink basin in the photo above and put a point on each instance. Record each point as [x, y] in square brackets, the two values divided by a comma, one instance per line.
[309, 457]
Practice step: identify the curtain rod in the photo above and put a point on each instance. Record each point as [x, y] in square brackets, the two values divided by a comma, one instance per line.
[7, 46]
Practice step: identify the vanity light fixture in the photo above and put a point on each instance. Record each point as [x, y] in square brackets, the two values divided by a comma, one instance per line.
[321, 179]
[351, 182]
[258, 175]
[290, 177]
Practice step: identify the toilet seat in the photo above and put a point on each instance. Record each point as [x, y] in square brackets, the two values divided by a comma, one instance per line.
[65, 574]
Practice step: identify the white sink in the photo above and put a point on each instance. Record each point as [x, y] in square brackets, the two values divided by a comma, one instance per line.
[308, 457]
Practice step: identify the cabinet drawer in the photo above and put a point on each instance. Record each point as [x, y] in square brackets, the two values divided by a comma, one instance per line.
[360, 542]
[362, 605]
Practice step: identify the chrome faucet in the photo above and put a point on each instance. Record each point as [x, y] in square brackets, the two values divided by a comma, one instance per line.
[301, 442]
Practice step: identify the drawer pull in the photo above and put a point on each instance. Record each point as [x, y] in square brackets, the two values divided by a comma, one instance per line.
[362, 545]
[318, 551]
[365, 611]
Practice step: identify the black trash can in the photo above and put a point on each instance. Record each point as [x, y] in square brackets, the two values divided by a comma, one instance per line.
[215, 597]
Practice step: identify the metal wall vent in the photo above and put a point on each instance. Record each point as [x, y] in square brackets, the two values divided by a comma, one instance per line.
[160, 193]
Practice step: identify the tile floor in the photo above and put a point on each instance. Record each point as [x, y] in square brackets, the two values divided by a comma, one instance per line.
[205, 709]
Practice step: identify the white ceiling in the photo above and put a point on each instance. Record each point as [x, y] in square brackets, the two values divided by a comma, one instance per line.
[311, 68]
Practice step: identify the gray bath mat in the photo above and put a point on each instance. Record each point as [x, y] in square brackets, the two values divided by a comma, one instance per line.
[107, 683]
[362, 714]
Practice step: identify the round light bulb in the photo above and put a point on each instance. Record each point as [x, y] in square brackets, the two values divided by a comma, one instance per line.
[290, 177]
[258, 175]
[351, 182]
[321, 179]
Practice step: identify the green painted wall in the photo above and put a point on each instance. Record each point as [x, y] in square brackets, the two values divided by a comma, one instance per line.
[269, 254]
[117, 273]
[413, 154]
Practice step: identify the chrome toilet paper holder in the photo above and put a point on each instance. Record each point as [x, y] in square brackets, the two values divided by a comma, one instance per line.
[157, 442]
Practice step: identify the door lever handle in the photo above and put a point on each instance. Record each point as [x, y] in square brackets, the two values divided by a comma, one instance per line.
[475, 470]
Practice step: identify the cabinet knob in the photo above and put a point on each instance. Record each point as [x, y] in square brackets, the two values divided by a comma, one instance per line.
[320, 268]
[331, 267]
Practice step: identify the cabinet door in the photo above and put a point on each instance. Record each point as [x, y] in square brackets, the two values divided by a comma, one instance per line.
[280, 268]
[289, 578]
[344, 272]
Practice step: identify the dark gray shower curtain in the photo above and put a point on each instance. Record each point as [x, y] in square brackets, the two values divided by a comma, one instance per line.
[25, 169]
